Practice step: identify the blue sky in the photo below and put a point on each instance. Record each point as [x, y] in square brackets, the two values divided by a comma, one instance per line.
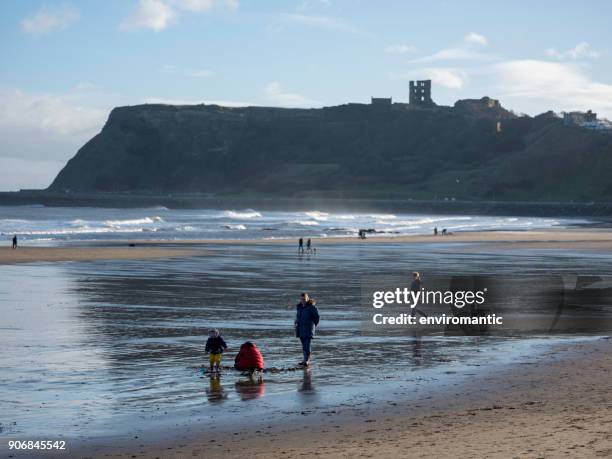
[66, 64]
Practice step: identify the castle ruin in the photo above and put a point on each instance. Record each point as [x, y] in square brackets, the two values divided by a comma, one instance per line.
[420, 93]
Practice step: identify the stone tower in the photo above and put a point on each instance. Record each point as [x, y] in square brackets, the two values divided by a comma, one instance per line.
[420, 93]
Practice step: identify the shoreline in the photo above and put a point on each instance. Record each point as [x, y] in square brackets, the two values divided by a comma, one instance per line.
[572, 419]
[552, 235]
[554, 239]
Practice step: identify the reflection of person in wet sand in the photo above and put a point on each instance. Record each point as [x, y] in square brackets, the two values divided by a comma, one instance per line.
[215, 392]
[417, 349]
[250, 388]
[415, 286]
[306, 386]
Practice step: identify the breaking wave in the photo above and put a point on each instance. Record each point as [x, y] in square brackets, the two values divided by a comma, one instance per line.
[240, 215]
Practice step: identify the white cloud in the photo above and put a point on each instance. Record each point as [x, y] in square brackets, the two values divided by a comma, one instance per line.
[400, 49]
[158, 15]
[309, 5]
[150, 14]
[319, 22]
[474, 38]
[17, 173]
[197, 6]
[276, 94]
[39, 132]
[534, 85]
[580, 51]
[54, 115]
[168, 68]
[448, 78]
[199, 73]
[451, 78]
[232, 5]
[48, 19]
[452, 54]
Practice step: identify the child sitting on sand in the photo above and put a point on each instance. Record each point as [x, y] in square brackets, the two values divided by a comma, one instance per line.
[215, 345]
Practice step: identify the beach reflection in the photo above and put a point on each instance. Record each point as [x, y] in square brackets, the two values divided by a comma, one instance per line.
[215, 392]
[112, 339]
[306, 387]
[251, 388]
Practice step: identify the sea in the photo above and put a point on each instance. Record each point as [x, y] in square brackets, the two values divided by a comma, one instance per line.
[45, 225]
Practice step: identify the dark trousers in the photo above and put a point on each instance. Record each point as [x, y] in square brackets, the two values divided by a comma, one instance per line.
[306, 347]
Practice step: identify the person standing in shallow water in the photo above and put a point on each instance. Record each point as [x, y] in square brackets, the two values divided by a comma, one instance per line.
[15, 241]
[306, 321]
[301, 245]
[415, 286]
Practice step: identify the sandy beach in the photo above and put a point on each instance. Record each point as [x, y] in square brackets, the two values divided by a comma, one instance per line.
[551, 238]
[579, 239]
[557, 406]
[50, 254]
[133, 386]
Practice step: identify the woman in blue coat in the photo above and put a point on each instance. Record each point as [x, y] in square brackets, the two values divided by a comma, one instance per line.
[306, 321]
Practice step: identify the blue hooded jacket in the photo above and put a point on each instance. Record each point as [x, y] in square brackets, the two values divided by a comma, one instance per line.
[307, 318]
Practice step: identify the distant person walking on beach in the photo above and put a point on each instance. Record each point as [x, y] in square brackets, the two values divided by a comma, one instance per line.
[15, 241]
[435, 230]
[306, 321]
[308, 246]
[415, 286]
[301, 245]
[215, 345]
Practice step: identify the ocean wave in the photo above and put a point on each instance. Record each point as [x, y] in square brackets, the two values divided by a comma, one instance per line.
[136, 221]
[316, 215]
[235, 227]
[13, 220]
[83, 230]
[305, 222]
[187, 228]
[240, 215]
[421, 221]
[383, 216]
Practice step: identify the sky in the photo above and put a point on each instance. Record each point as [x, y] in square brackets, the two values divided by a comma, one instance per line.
[66, 64]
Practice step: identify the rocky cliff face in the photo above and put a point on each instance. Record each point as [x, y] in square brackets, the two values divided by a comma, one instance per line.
[350, 150]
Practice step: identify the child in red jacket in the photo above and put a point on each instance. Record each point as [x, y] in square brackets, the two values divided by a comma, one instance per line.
[249, 358]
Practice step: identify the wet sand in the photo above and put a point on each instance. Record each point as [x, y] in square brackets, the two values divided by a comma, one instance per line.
[583, 238]
[539, 405]
[50, 254]
[559, 405]
[571, 239]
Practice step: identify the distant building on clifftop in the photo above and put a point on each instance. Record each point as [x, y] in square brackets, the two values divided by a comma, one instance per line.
[420, 93]
[381, 101]
[587, 120]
